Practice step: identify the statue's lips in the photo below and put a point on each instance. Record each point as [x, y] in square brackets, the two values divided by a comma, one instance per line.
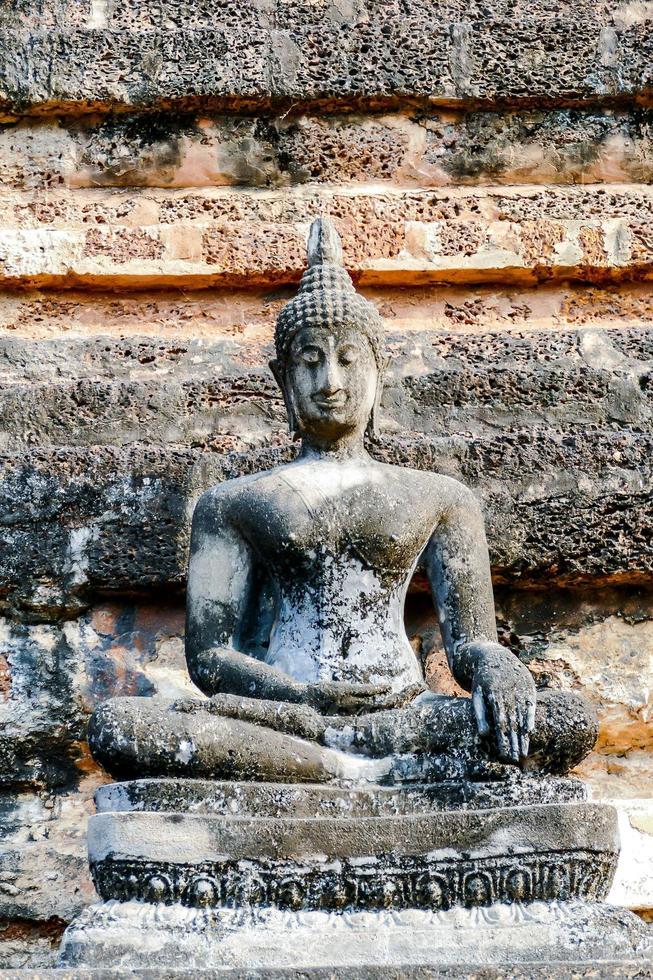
[330, 401]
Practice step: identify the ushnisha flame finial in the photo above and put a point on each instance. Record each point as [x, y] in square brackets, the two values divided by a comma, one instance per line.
[324, 245]
[326, 297]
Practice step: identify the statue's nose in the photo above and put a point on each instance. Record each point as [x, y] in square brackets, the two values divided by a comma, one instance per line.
[331, 377]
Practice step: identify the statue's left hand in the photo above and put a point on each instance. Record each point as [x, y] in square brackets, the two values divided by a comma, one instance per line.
[503, 699]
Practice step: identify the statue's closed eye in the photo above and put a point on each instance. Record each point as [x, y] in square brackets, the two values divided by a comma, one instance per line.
[348, 355]
[310, 355]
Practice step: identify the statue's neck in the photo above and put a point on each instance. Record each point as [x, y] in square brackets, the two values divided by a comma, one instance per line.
[349, 447]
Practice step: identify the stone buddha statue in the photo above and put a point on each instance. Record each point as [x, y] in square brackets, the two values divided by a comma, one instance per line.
[296, 589]
[316, 806]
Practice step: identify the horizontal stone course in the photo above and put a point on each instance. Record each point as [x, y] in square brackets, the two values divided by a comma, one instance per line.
[525, 60]
[169, 14]
[115, 211]
[192, 837]
[411, 148]
[116, 322]
[262, 800]
[102, 391]
[211, 237]
[78, 521]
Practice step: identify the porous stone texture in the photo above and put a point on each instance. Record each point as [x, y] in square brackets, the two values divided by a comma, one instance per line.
[206, 237]
[488, 166]
[281, 53]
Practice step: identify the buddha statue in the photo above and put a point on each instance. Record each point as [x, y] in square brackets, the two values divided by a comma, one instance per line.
[296, 588]
[315, 806]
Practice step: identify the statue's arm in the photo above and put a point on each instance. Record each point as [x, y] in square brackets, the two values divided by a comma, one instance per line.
[221, 577]
[458, 566]
[220, 580]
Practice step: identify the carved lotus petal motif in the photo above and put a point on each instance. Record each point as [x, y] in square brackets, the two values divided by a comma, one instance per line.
[202, 891]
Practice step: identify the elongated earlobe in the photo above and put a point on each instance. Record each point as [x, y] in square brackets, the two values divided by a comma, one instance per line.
[372, 430]
[280, 378]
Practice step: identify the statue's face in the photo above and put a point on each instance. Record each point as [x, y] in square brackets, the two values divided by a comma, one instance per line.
[331, 379]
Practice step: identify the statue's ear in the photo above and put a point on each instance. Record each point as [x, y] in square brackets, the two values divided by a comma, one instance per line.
[373, 424]
[280, 378]
[275, 367]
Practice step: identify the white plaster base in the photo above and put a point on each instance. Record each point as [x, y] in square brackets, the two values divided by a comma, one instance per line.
[133, 935]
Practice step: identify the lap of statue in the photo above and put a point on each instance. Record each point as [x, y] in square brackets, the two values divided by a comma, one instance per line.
[226, 737]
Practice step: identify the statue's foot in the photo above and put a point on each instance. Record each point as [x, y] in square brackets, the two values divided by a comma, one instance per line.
[291, 719]
[357, 771]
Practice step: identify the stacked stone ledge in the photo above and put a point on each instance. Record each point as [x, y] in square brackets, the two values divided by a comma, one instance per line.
[267, 876]
[274, 863]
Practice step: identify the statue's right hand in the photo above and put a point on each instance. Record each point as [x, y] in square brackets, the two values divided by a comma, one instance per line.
[342, 697]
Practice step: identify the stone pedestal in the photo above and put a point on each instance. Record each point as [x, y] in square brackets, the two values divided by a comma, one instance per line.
[135, 935]
[202, 874]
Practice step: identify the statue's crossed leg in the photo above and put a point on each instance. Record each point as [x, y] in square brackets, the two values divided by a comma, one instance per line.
[231, 737]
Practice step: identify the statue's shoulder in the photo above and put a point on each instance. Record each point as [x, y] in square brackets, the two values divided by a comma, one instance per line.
[218, 499]
[425, 480]
[431, 493]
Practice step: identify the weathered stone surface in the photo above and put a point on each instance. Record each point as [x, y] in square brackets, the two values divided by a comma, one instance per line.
[633, 885]
[171, 149]
[168, 14]
[25, 945]
[52, 677]
[138, 934]
[39, 707]
[400, 237]
[592, 637]
[87, 392]
[309, 801]
[245, 350]
[152, 14]
[122, 834]
[122, 650]
[388, 58]
[178, 318]
[604, 969]
[601, 640]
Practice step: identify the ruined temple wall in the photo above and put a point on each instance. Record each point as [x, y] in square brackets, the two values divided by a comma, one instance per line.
[489, 167]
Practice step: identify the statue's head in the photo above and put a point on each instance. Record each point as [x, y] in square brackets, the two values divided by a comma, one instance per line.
[329, 343]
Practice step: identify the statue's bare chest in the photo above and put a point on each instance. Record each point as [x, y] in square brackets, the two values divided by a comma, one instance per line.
[301, 514]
